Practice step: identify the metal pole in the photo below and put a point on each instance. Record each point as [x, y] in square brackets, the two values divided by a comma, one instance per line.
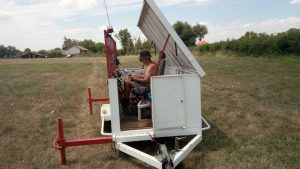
[90, 100]
[62, 142]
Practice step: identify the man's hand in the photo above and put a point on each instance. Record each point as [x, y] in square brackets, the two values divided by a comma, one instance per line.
[130, 77]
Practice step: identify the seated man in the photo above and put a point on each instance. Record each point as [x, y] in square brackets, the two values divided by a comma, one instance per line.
[140, 80]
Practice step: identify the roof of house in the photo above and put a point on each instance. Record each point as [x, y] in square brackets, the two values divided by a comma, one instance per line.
[156, 28]
[79, 47]
[202, 42]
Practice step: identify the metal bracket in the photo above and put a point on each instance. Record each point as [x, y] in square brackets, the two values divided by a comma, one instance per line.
[177, 139]
[207, 125]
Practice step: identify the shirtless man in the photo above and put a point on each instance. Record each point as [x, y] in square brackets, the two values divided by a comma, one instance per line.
[138, 80]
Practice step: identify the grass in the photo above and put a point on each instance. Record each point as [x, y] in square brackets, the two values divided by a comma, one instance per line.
[252, 104]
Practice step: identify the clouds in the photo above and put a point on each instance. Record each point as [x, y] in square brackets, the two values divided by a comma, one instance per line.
[78, 4]
[42, 24]
[237, 29]
[5, 15]
[295, 2]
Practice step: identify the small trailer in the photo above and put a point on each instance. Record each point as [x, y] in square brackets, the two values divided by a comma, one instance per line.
[174, 105]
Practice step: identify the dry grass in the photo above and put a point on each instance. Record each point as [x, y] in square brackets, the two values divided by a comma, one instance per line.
[252, 104]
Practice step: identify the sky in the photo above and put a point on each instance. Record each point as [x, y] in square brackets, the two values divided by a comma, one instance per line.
[42, 24]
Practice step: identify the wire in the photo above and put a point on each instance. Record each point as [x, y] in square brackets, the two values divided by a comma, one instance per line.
[107, 14]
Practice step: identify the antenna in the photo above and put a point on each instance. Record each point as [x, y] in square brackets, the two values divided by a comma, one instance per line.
[107, 13]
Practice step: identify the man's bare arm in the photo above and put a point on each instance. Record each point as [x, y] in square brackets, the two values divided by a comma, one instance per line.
[141, 76]
[149, 72]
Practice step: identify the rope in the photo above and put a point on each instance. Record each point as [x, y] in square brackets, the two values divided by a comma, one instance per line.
[107, 13]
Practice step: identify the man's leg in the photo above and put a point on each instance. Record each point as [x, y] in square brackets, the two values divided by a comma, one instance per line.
[127, 86]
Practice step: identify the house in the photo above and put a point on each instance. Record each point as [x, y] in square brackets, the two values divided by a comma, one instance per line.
[201, 43]
[75, 50]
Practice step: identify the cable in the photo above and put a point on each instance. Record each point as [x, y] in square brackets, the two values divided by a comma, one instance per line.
[107, 14]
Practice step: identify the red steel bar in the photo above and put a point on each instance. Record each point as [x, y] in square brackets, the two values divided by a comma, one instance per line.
[90, 141]
[61, 144]
[91, 100]
[151, 44]
[176, 49]
[108, 54]
[100, 100]
[162, 52]
[166, 42]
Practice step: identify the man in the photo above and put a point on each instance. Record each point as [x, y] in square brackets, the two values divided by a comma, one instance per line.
[140, 80]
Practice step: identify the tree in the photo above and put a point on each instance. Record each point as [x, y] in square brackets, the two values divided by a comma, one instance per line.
[2, 51]
[126, 40]
[200, 31]
[68, 43]
[8, 51]
[89, 44]
[189, 33]
[43, 52]
[27, 50]
[138, 44]
[100, 47]
[55, 53]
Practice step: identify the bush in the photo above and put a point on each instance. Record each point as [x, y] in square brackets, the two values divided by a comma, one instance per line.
[286, 43]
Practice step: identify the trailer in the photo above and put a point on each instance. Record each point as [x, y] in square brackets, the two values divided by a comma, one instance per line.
[174, 99]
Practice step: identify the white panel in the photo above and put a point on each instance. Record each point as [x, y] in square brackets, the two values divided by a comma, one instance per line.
[192, 100]
[167, 102]
[114, 106]
[153, 23]
[173, 116]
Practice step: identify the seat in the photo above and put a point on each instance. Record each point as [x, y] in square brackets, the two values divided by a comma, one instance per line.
[161, 67]
[105, 120]
[142, 104]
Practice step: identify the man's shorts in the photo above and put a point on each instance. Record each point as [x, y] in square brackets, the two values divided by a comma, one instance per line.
[138, 89]
[137, 85]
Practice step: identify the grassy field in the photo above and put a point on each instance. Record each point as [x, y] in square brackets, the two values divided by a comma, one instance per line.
[253, 105]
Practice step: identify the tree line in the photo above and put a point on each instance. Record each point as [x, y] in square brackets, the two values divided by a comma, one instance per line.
[130, 45]
[9, 51]
[260, 44]
[93, 47]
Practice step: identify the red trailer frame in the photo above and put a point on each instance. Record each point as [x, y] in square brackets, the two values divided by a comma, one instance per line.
[60, 142]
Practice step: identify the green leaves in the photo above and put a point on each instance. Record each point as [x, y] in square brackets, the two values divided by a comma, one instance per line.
[126, 41]
[285, 43]
[189, 33]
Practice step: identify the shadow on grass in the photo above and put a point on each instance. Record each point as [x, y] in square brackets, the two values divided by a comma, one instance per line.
[213, 139]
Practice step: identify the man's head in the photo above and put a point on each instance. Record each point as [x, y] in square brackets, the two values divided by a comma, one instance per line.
[145, 56]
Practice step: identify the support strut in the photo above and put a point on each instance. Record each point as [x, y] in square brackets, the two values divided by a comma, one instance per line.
[61, 144]
[90, 100]
[161, 53]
